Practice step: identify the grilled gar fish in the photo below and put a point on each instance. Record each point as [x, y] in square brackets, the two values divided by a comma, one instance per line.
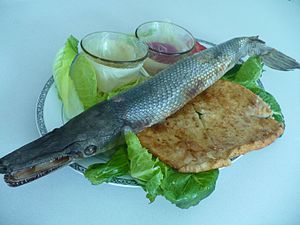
[101, 128]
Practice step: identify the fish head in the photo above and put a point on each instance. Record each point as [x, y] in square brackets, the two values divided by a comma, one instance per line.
[78, 139]
[38, 158]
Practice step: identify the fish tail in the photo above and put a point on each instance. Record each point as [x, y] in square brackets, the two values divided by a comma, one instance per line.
[279, 61]
[272, 57]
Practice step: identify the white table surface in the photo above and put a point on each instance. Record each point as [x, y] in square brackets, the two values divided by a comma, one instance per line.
[260, 188]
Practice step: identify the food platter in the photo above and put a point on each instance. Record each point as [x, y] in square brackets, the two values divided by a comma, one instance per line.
[49, 115]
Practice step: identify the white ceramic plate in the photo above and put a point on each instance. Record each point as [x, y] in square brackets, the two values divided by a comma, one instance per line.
[49, 115]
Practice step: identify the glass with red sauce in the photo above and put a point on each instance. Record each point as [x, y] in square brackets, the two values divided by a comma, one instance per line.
[167, 43]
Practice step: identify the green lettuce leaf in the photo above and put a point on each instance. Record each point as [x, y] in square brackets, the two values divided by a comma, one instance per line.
[188, 189]
[248, 72]
[232, 73]
[105, 96]
[117, 166]
[64, 84]
[84, 76]
[143, 167]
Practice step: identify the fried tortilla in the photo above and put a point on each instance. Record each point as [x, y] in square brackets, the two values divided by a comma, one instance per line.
[223, 122]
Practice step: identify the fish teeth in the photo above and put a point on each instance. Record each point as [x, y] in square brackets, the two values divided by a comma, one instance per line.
[10, 180]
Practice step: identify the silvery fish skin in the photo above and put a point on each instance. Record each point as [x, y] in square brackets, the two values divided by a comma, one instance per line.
[101, 128]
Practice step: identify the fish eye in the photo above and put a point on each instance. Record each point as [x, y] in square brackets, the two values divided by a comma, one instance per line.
[90, 150]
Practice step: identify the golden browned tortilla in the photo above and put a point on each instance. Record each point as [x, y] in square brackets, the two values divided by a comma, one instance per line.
[225, 121]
